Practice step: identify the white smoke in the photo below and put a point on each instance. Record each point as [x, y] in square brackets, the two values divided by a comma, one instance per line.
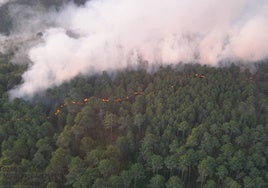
[2, 2]
[114, 34]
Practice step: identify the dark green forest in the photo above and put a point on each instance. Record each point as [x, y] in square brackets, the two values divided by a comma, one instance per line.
[180, 126]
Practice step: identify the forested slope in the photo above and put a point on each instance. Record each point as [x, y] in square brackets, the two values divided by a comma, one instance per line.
[186, 126]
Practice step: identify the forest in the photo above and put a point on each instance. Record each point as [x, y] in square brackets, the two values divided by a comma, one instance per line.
[180, 126]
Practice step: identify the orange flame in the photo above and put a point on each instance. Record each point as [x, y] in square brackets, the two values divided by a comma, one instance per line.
[57, 112]
[86, 99]
[105, 100]
[118, 100]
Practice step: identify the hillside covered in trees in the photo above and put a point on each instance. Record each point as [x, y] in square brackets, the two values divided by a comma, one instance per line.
[185, 126]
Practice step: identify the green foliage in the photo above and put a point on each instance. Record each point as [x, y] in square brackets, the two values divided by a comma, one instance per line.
[169, 128]
[174, 182]
[158, 181]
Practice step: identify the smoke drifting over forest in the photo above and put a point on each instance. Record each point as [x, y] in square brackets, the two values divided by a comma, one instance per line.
[115, 34]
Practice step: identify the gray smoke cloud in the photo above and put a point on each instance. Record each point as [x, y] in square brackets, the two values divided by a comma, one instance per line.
[2, 2]
[115, 34]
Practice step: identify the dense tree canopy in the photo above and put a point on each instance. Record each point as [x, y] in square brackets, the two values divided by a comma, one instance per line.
[181, 126]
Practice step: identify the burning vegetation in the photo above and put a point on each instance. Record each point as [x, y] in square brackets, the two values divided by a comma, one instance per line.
[147, 123]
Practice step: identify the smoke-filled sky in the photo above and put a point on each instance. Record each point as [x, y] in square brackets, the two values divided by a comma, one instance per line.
[115, 34]
[3, 2]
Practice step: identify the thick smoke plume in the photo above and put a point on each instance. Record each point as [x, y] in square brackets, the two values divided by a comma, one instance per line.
[115, 34]
[2, 2]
